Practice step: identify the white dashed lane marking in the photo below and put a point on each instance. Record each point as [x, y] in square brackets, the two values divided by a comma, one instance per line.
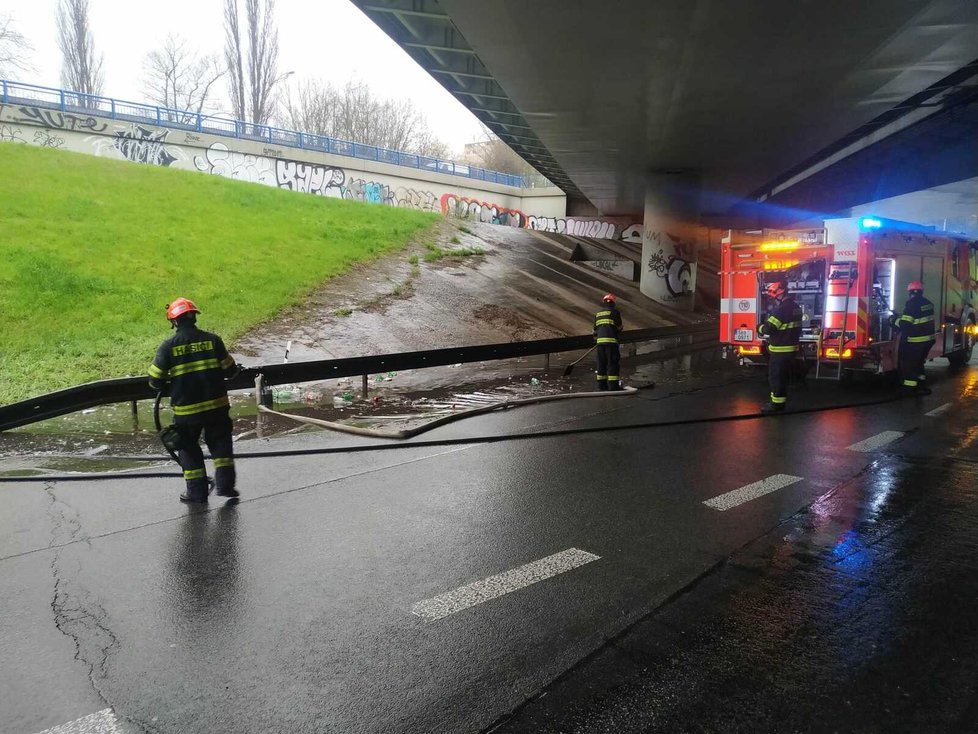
[751, 491]
[937, 411]
[101, 722]
[495, 586]
[874, 442]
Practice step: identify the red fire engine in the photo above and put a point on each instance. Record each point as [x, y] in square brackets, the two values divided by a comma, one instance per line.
[849, 276]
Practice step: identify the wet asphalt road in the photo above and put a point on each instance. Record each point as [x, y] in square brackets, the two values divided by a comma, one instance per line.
[840, 601]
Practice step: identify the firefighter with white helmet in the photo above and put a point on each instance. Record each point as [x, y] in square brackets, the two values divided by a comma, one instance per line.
[607, 328]
[783, 330]
[917, 331]
[194, 364]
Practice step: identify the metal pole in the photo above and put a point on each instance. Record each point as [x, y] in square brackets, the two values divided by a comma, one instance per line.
[546, 362]
[365, 387]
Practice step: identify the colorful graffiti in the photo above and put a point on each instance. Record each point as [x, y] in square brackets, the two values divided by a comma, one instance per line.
[370, 192]
[465, 207]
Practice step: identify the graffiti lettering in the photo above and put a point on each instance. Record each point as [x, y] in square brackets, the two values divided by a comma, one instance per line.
[45, 139]
[309, 179]
[272, 152]
[11, 134]
[369, 191]
[191, 138]
[140, 145]
[412, 199]
[463, 207]
[59, 120]
[220, 161]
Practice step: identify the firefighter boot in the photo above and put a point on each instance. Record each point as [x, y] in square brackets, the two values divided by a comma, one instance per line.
[197, 491]
[769, 408]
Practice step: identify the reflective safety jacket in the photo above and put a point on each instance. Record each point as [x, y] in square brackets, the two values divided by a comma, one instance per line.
[917, 323]
[783, 327]
[607, 325]
[195, 363]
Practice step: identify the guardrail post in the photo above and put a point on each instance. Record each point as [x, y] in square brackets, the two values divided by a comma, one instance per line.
[62, 100]
[5, 91]
[112, 107]
[263, 394]
[365, 381]
[546, 362]
[200, 122]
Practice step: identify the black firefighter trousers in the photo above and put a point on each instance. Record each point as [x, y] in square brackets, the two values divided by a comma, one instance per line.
[779, 368]
[911, 362]
[217, 436]
[609, 361]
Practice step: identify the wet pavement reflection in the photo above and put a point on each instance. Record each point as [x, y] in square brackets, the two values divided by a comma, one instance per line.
[857, 614]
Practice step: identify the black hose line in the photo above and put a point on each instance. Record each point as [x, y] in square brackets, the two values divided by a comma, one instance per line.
[440, 442]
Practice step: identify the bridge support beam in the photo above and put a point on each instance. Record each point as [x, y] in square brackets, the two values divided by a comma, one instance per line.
[669, 239]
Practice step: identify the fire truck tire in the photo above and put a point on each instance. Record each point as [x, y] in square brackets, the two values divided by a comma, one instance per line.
[961, 357]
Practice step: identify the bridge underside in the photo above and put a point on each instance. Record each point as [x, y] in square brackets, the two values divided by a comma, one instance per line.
[741, 95]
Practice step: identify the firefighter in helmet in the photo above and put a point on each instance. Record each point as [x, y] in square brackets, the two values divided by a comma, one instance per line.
[783, 330]
[607, 327]
[917, 331]
[195, 363]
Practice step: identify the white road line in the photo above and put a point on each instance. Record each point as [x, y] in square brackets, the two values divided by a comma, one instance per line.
[937, 411]
[101, 722]
[751, 491]
[874, 442]
[500, 584]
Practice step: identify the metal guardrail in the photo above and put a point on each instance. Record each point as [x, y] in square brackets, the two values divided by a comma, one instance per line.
[129, 389]
[87, 104]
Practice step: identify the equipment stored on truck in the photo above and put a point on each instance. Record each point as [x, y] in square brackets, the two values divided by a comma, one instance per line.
[845, 276]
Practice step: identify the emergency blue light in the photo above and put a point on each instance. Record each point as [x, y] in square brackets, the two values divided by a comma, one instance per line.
[870, 223]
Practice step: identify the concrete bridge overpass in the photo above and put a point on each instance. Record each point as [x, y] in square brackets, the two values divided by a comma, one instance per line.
[706, 112]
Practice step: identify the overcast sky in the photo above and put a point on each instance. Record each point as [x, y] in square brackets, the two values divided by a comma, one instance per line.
[325, 39]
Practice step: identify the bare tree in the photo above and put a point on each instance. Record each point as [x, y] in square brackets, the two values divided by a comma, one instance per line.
[81, 67]
[15, 49]
[354, 113]
[178, 78]
[492, 153]
[251, 54]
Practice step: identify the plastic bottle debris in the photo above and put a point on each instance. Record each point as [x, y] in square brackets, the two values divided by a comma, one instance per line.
[341, 401]
[534, 381]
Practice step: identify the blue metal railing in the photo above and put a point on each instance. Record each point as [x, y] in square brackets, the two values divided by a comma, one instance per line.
[88, 104]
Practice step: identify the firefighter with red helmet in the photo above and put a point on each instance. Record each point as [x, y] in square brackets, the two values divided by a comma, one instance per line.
[194, 364]
[607, 328]
[917, 331]
[783, 331]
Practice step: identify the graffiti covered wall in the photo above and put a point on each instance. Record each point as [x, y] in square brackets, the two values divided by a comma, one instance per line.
[303, 171]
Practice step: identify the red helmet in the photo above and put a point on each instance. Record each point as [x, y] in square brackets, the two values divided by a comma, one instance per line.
[609, 298]
[915, 285]
[180, 307]
[776, 288]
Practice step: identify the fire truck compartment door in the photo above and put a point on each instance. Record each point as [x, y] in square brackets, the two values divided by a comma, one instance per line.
[930, 270]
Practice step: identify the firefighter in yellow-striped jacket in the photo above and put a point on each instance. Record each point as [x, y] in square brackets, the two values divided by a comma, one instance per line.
[195, 363]
[917, 336]
[783, 331]
[607, 327]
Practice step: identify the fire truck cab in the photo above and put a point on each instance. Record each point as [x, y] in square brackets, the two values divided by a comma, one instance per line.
[849, 277]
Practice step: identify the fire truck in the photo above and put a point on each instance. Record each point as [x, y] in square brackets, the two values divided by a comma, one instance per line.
[848, 277]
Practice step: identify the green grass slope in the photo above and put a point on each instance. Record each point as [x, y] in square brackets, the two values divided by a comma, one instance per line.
[91, 250]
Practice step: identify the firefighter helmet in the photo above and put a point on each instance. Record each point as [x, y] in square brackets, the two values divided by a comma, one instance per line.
[180, 307]
[610, 298]
[915, 285]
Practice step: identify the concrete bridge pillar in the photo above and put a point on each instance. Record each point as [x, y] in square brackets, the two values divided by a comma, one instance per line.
[669, 243]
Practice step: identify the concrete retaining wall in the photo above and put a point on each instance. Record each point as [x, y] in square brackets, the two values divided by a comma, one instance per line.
[301, 170]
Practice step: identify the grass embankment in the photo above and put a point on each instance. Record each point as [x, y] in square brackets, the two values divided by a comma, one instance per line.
[91, 250]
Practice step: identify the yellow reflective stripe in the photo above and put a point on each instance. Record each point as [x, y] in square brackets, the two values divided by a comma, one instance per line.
[193, 474]
[600, 322]
[790, 325]
[777, 400]
[200, 407]
[774, 321]
[188, 367]
[607, 340]
[782, 350]
[218, 463]
[155, 371]
[600, 377]
[924, 320]
[614, 377]
[602, 313]
[228, 361]
[920, 339]
[910, 383]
